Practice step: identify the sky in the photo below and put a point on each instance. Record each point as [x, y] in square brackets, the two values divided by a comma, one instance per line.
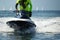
[37, 4]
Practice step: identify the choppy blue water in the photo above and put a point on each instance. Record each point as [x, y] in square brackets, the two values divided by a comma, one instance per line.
[48, 26]
[34, 14]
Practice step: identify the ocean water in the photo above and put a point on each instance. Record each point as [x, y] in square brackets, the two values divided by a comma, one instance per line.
[47, 26]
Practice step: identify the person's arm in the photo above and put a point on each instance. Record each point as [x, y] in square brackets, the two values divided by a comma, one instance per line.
[16, 6]
[30, 5]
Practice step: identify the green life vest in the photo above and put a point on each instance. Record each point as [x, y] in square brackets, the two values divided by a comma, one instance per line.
[25, 5]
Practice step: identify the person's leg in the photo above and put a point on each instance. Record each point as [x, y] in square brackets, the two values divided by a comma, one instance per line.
[24, 14]
[27, 13]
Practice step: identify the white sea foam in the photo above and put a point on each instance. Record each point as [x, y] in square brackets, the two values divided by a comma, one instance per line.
[42, 25]
[47, 25]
